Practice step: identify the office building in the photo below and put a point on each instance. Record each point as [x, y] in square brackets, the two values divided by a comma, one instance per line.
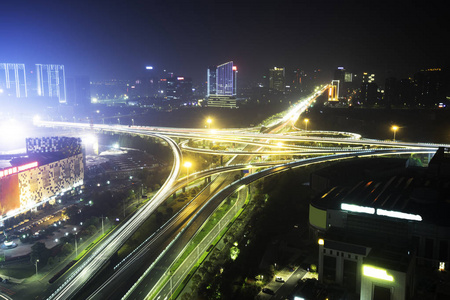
[178, 88]
[78, 91]
[13, 80]
[369, 89]
[53, 165]
[51, 82]
[226, 79]
[333, 91]
[277, 80]
[387, 236]
[339, 77]
[431, 87]
[211, 81]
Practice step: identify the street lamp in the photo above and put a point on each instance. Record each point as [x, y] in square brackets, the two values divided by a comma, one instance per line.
[35, 264]
[187, 165]
[209, 121]
[132, 122]
[394, 128]
[306, 124]
[76, 245]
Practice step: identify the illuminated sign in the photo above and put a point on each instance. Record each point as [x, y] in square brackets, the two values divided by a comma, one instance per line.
[180, 78]
[398, 215]
[357, 208]
[149, 67]
[18, 169]
[377, 273]
[380, 212]
[234, 68]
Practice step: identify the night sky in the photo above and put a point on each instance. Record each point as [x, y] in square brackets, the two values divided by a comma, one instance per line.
[116, 39]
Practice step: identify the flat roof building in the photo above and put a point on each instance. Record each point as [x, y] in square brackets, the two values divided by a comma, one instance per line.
[375, 234]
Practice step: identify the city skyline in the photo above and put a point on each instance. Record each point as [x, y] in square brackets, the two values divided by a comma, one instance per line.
[119, 39]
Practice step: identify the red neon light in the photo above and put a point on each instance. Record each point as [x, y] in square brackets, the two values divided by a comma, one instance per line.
[18, 169]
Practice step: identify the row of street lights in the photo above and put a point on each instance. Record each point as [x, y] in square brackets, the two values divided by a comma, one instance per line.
[394, 128]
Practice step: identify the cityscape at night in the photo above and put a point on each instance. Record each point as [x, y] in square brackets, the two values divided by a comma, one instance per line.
[290, 150]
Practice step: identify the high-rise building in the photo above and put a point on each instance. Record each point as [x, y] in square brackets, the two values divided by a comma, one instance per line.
[211, 81]
[333, 91]
[78, 91]
[178, 88]
[51, 81]
[431, 87]
[226, 79]
[277, 80]
[13, 80]
[369, 88]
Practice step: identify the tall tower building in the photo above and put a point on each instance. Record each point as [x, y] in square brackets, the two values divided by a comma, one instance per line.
[13, 80]
[339, 76]
[431, 86]
[368, 89]
[78, 91]
[277, 79]
[211, 81]
[226, 79]
[51, 81]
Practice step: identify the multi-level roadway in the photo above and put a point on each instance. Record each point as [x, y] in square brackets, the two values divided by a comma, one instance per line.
[97, 257]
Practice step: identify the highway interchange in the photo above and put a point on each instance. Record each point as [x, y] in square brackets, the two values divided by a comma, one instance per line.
[138, 273]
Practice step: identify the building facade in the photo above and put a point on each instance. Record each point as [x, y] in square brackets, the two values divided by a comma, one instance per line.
[51, 81]
[53, 166]
[226, 79]
[277, 80]
[373, 236]
[13, 80]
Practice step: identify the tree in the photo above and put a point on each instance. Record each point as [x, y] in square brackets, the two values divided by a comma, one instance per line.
[186, 296]
[39, 252]
[208, 264]
[196, 279]
[92, 229]
[169, 211]
[234, 252]
[51, 261]
[67, 249]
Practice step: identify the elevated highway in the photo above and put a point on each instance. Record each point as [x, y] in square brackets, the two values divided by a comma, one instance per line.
[158, 246]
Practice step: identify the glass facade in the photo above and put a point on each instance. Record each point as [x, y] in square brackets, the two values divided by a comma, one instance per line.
[51, 81]
[226, 80]
[13, 80]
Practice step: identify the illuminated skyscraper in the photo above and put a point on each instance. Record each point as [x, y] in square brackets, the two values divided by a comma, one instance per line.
[277, 80]
[13, 80]
[51, 81]
[226, 79]
[211, 81]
